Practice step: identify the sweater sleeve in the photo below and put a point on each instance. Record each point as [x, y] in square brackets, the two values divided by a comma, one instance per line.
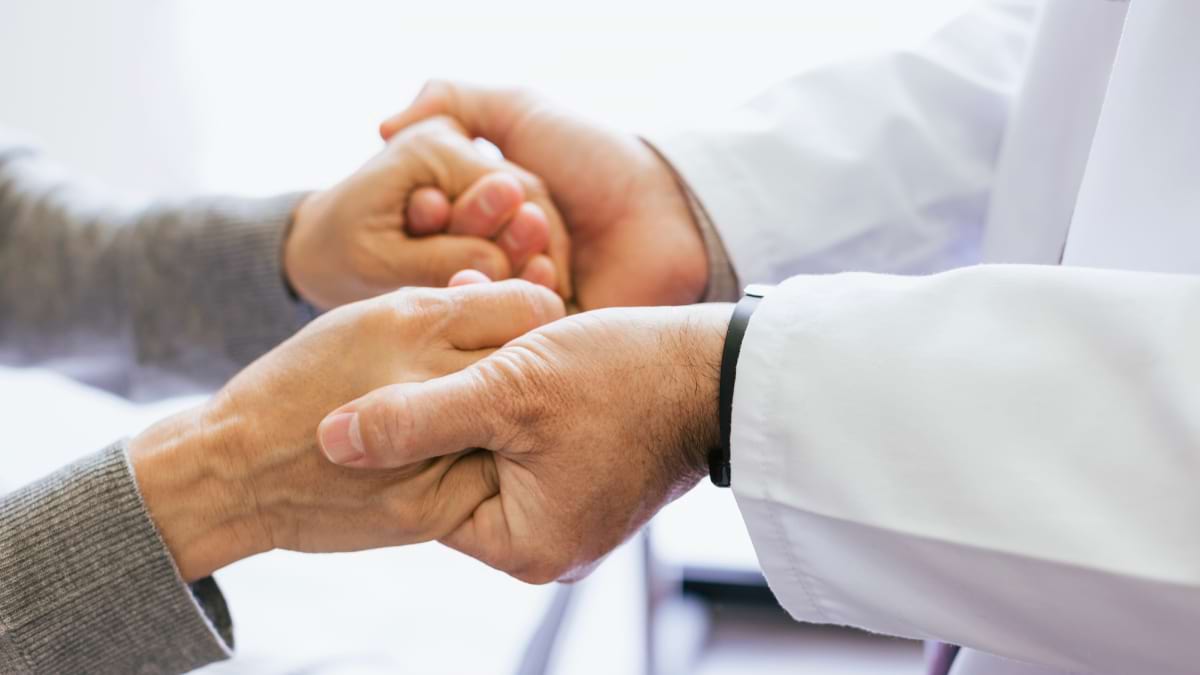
[87, 584]
[144, 300]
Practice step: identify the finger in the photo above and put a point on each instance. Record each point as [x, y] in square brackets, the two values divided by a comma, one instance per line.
[467, 277]
[428, 212]
[439, 153]
[536, 227]
[493, 114]
[433, 260]
[484, 535]
[488, 112]
[487, 205]
[526, 235]
[487, 535]
[405, 423]
[542, 208]
[469, 480]
[559, 247]
[490, 315]
[539, 270]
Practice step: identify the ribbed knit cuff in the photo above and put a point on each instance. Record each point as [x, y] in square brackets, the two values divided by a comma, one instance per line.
[209, 294]
[242, 247]
[87, 585]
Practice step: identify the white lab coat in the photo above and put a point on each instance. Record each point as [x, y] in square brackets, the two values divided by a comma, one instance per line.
[1005, 457]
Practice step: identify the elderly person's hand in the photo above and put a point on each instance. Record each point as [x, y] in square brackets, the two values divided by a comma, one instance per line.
[428, 205]
[595, 422]
[633, 239]
[242, 474]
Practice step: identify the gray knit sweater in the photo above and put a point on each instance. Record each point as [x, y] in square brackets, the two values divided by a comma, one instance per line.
[143, 301]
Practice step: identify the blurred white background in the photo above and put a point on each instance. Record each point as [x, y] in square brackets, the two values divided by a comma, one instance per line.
[158, 96]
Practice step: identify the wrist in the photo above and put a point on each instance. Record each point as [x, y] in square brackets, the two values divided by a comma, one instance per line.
[702, 340]
[692, 271]
[195, 495]
[301, 274]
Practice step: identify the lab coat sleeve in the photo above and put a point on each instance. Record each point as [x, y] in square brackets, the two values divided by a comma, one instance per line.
[1003, 457]
[883, 165]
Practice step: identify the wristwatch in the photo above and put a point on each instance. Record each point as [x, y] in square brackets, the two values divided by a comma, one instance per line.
[718, 457]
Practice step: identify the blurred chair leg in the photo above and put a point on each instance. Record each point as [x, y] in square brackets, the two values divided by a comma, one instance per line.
[541, 646]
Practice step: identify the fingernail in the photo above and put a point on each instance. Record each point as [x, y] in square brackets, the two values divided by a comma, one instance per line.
[341, 439]
[487, 203]
[516, 237]
[510, 241]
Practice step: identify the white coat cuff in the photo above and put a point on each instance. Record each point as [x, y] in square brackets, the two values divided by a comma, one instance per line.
[758, 465]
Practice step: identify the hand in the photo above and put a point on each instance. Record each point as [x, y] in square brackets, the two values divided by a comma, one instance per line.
[595, 422]
[633, 238]
[362, 237]
[242, 474]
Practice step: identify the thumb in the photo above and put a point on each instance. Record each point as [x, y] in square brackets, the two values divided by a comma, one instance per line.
[487, 112]
[429, 102]
[405, 423]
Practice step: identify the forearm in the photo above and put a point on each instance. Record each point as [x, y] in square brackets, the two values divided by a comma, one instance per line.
[141, 300]
[87, 585]
[1020, 438]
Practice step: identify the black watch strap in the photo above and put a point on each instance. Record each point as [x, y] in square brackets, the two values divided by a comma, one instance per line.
[718, 458]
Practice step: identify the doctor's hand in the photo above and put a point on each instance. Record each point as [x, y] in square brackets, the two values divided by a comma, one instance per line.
[428, 205]
[633, 238]
[595, 422]
[242, 474]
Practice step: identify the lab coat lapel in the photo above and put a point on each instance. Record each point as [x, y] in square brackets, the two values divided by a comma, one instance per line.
[1050, 132]
[1139, 204]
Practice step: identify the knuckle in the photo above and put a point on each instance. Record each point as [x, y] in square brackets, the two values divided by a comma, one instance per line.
[441, 124]
[387, 317]
[525, 96]
[534, 185]
[548, 305]
[426, 140]
[537, 186]
[537, 305]
[389, 424]
[417, 133]
[427, 305]
[537, 573]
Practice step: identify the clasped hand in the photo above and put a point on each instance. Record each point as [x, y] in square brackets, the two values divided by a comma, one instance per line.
[592, 422]
[479, 415]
